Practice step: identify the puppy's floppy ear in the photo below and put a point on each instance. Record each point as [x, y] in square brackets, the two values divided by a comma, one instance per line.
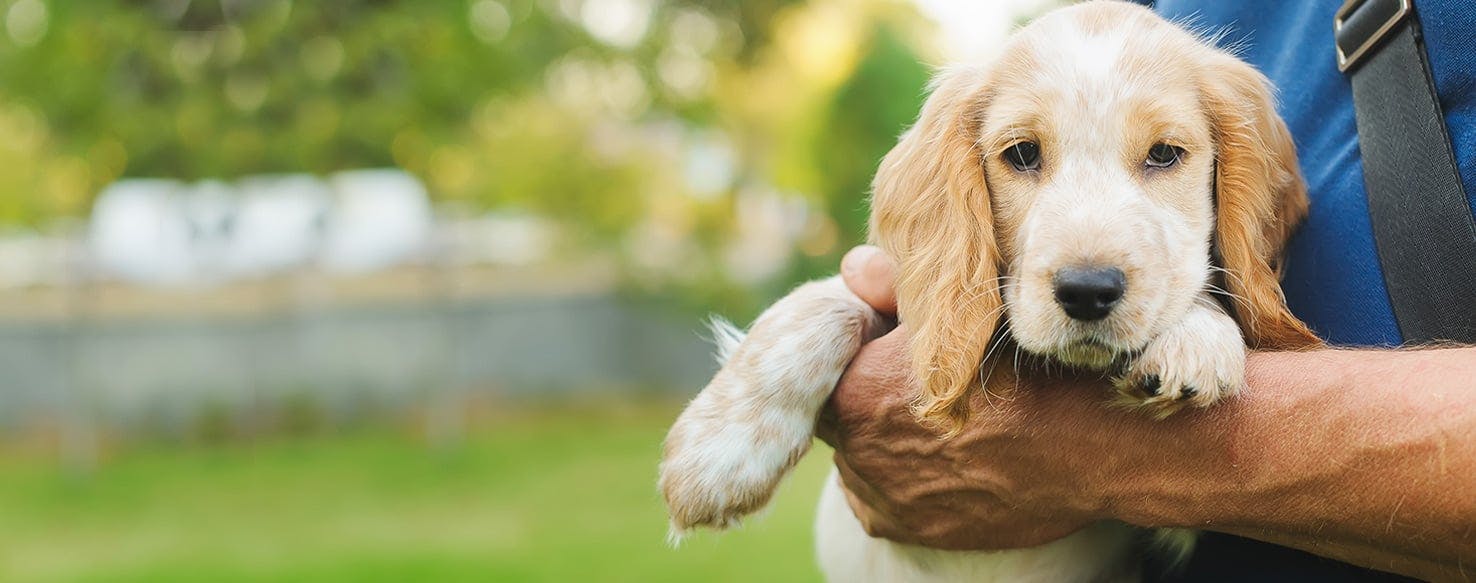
[1261, 199]
[931, 213]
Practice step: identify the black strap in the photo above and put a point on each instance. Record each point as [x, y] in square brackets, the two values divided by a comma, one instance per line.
[1422, 222]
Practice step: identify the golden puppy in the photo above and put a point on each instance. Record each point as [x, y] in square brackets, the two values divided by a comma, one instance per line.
[1112, 193]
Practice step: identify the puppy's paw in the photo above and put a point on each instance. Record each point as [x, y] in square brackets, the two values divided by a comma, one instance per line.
[723, 459]
[1195, 363]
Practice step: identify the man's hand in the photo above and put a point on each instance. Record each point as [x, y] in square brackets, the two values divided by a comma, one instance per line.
[871, 274]
[1365, 456]
[906, 483]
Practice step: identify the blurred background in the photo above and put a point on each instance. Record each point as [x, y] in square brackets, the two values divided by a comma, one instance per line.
[410, 290]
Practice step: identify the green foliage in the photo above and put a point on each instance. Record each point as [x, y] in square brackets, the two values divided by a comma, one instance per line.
[862, 122]
[276, 86]
[522, 106]
[224, 89]
[878, 102]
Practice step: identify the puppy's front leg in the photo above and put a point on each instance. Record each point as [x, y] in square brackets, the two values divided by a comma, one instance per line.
[728, 450]
[1196, 362]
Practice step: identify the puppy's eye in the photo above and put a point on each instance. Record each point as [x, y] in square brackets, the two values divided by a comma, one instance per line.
[1024, 156]
[1162, 155]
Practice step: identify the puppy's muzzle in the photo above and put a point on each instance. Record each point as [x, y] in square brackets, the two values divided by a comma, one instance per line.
[1089, 293]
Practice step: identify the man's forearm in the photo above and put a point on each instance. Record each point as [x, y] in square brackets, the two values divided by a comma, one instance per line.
[1363, 456]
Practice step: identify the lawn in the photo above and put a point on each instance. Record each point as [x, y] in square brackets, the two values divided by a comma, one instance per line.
[551, 495]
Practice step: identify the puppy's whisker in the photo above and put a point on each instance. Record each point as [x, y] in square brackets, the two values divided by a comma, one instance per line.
[1235, 297]
[991, 283]
[1224, 292]
[1017, 367]
[984, 289]
[988, 281]
[1003, 334]
[1228, 273]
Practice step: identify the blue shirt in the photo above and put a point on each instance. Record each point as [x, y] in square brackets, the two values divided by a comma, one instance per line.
[1333, 280]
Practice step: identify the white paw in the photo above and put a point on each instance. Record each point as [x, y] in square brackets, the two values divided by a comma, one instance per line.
[733, 444]
[1196, 363]
[722, 462]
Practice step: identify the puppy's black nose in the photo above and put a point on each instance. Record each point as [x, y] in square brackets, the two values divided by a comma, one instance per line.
[1089, 293]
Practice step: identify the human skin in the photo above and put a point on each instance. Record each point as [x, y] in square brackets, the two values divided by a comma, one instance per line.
[1364, 456]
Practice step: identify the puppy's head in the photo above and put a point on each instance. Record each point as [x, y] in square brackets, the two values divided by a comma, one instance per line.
[1080, 188]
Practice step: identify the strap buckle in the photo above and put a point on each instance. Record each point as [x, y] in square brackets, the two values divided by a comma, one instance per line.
[1359, 25]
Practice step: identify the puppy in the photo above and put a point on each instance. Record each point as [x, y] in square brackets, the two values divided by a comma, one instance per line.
[1111, 193]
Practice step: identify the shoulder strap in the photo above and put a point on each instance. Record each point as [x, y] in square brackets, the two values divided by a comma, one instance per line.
[1422, 222]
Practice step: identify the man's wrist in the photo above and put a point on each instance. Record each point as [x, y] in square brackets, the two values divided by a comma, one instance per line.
[1361, 456]
[1203, 467]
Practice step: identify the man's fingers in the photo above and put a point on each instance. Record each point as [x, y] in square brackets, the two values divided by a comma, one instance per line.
[826, 425]
[882, 369]
[849, 481]
[858, 493]
[863, 513]
[870, 274]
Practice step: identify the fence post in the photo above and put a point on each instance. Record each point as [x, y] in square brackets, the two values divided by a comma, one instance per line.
[446, 415]
[79, 432]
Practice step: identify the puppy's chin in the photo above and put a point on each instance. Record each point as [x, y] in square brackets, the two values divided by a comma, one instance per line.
[1092, 347]
[1086, 354]
[1097, 346]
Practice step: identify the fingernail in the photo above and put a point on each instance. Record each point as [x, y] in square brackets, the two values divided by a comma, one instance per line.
[856, 259]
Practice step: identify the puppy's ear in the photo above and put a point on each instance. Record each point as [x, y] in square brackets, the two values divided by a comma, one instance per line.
[1261, 199]
[931, 213]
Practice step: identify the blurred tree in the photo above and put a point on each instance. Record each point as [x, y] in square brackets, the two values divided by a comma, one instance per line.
[862, 122]
[584, 111]
[222, 88]
[215, 88]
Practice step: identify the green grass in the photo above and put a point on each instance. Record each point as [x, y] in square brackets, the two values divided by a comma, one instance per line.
[547, 496]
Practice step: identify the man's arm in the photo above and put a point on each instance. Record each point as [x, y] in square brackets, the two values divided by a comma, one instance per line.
[1364, 456]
